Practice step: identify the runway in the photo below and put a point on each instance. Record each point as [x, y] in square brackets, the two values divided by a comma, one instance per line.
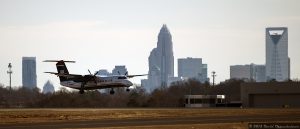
[150, 122]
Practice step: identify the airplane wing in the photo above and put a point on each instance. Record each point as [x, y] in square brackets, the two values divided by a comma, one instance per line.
[131, 76]
[88, 76]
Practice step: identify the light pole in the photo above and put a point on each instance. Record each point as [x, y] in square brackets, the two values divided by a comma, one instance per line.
[9, 72]
[213, 75]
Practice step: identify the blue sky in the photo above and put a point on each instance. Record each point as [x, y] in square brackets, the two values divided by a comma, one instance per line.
[100, 34]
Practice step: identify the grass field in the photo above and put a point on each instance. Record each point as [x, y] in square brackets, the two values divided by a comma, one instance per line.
[9, 116]
[190, 126]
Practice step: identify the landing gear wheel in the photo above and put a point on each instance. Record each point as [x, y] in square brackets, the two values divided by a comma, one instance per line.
[127, 89]
[111, 91]
[81, 91]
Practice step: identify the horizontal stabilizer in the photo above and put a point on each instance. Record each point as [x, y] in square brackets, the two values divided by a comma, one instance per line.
[63, 74]
[51, 73]
[59, 61]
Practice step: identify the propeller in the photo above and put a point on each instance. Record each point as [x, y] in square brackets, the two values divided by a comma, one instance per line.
[94, 76]
[88, 78]
[94, 73]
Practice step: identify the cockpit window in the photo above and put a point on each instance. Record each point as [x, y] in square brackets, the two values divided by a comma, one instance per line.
[121, 77]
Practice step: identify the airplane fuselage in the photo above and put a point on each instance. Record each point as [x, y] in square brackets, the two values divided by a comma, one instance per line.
[99, 83]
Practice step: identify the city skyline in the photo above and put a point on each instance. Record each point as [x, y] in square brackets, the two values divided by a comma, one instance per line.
[102, 34]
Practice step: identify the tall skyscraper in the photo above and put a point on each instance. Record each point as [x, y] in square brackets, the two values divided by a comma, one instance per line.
[161, 61]
[165, 55]
[192, 68]
[277, 60]
[29, 72]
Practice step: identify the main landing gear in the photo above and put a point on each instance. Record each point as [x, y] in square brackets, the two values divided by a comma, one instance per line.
[111, 91]
[81, 90]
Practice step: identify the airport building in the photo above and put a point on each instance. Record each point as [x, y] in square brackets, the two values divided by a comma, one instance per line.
[277, 60]
[252, 95]
[192, 68]
[29, 72]
[270, 94]
[250, 72]
[204, 100]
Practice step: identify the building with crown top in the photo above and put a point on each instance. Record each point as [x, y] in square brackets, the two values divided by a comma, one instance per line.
[161, 61]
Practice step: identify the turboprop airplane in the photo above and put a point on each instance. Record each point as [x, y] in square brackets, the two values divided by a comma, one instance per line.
[89, 81]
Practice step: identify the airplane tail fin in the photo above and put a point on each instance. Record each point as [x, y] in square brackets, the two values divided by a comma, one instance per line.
[62, 70]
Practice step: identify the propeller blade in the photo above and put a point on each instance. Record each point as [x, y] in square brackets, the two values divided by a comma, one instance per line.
[126, 74]
[119, 73]
[95, 77]
[96, 73]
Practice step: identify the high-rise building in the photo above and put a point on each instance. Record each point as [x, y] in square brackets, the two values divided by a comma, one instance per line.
[103, 72]
[171, 80]
[204, 76]
[192, 68]
[277, 60]
[165, 55]
[29, 72]
[119, 70]
[153, 80]
[260, 73]
[48, 87]
[241, 72]
[161, 61]
[250, 72]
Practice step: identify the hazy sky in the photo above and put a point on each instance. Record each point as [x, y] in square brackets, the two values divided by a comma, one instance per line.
[100, 34]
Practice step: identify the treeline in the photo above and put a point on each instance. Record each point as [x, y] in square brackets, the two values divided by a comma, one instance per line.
[172, 96]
